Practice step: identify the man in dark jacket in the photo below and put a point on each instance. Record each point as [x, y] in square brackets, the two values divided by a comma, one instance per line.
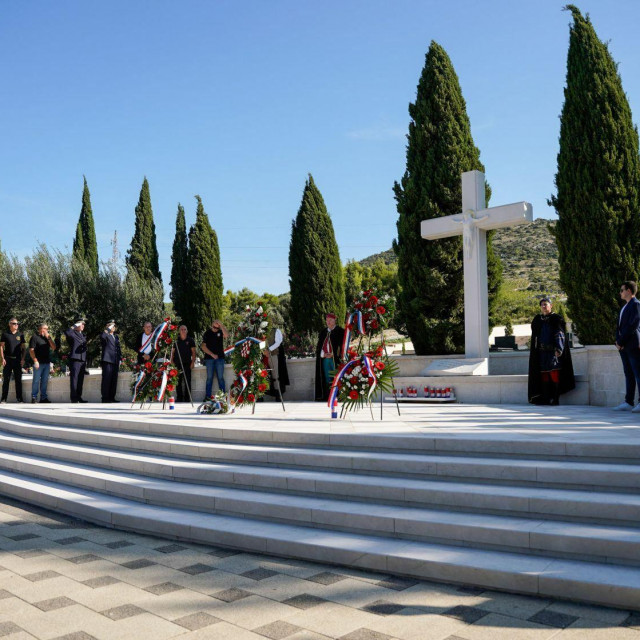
[110, 361]
[328, 356]
[77, 358]
[628, 344]
[550, 366]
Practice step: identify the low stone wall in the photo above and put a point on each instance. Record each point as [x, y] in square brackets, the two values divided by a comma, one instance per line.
[601, 379]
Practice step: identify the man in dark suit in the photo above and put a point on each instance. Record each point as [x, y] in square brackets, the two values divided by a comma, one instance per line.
[628, 344]
[77, 358]
[110, 361]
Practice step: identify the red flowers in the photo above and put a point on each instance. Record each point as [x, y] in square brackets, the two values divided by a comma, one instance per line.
[148, 366]
[251, 397]
[262, 387]
[247, 373]
[374, 324]
[381, 310]
[373, 300]
[173, 373]
[379, 365]
[264, 373]
[354, 380]
[353, 394]
[170, 387]
[168, 340]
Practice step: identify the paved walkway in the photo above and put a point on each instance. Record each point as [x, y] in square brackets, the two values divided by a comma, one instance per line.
[65, 579]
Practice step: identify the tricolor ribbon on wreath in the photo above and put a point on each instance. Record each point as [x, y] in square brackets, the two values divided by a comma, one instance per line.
[333, 392]
[347, 329]
[136, 387]
[372, 374]
[163, 386]
[228, 350]
[244, 385]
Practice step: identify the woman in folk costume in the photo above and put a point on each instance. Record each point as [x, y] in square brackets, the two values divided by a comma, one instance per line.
[328, 356]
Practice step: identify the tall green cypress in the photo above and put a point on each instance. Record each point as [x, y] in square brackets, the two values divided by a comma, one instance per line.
[180, 266]
[143, 253]
[440, 148]
[205, 277]
[598, 186]
[315, 272]
[85, 245]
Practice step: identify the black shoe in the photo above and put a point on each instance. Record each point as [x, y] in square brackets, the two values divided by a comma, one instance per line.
[45, 401]
[106, 401]
[20, 401]
[34, 400]
[115, 401]
[81, 401]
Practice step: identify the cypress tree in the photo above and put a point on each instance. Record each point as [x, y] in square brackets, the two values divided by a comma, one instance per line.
[204, 303]
[316, 276]
[143, 253]
[440, 148]
[180, 266]
[85, 245]
[598, 186]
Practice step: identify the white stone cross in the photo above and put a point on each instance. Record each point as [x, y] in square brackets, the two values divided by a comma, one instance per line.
[473, 223]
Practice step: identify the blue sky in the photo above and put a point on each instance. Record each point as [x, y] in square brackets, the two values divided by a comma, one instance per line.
[239, 100]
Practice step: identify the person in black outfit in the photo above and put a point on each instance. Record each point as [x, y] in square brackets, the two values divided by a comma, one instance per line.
[184, 359]
[213, 347]
[628, 344]
[110, 361]
[143, 347]
[40, 347]
[12, 352]
[77, 359]
[328, 356]
[550, 366]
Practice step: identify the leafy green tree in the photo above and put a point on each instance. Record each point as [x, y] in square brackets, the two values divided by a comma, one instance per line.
[205, 277]
[85, 245]
[315, 271]
[143, 253]
[598, 186]
[440, 148]
[180, 266]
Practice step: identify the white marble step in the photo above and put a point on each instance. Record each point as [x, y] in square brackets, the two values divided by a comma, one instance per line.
[536, 575]
[585, 475]
[520, 444]
[540, 502]
[523, 535]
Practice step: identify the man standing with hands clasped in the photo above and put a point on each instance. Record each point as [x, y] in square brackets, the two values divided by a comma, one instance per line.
[40, 347]
[12, 352]
[213, 347]
[628, 344]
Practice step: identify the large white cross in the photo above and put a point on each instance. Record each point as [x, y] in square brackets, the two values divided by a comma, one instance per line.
[473, 223]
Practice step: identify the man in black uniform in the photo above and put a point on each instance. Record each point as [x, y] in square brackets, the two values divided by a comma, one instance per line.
[110, 361]
[184, 358]
[12, 352]
[77, 358]
[328, 356]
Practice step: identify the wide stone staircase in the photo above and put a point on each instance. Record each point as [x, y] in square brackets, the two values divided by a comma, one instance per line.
[545, 517]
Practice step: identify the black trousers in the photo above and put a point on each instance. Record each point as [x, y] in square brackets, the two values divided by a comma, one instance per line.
[76, 378]
[13, 366]
[109, 381]
[183, 381]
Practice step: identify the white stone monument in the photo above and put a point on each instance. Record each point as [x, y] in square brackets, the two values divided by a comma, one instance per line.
[473, 223]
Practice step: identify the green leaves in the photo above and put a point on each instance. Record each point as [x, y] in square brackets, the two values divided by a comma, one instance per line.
[85, 245]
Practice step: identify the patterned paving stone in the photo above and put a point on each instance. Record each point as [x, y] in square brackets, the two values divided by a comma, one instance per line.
[141, 563]
[220, 552]
[277, 630]
[553, 619]
[397, 584]
[8, 628]
[170, 548]
[383, 607]
[5, 594]
[76, 635]
[259, 574]
[197, 569]
[70, 540]
[122, 612]
[304, 601]
[29, 553]
[118, 544]
[326, 577]
[101, 581]
[231, 595]
[23, 536]
[54, 603]
[42, 575]
[162, 588]
[466, 614]
[195, 621]
[84, 558]
[366, 634]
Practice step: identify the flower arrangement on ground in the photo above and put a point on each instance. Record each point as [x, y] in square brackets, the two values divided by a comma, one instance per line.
[368, 370]
[252, 375]
[217, 405]
[154, 379]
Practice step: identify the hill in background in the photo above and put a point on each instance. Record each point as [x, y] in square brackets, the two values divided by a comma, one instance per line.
[529, 256]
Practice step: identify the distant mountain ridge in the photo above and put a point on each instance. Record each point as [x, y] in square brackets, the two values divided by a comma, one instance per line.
[528, 252]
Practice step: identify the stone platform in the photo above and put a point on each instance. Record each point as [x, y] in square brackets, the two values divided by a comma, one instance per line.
[535, 500]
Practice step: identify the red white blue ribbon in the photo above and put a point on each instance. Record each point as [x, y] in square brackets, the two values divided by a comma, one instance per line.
[244, 386]
[163, 386]
[333, 393]
[368, 365]
[136, 387]
[359, 320]
[154, 337]
[228, 350]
